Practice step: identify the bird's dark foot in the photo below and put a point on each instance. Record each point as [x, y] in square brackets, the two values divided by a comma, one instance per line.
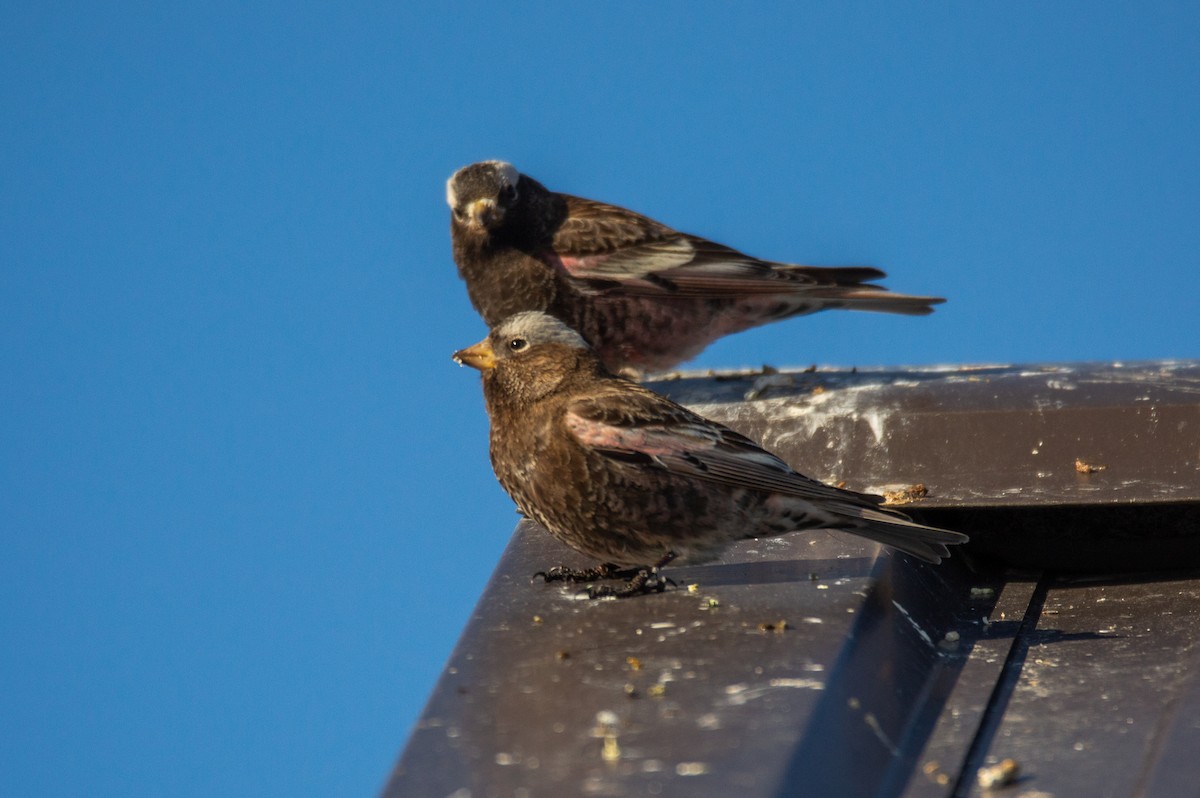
[646, 580]
[638, 580]
[561, 573]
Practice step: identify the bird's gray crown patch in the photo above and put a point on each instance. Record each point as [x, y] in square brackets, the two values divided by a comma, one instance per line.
[539, 328]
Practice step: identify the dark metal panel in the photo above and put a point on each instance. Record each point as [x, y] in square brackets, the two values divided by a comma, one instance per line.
[772, 664]
[945, 754]
[914, 635]
[1099, 706]
[1172, 766]
[809, 665]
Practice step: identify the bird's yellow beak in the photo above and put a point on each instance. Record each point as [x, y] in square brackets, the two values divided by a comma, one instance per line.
[483, 213]
[480, 356]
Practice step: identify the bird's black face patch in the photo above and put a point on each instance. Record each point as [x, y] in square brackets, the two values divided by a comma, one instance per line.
[480, 194]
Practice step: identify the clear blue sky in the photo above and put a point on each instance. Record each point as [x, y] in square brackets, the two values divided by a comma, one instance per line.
[245, 500]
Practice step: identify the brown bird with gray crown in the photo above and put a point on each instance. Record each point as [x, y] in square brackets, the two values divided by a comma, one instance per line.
[635, 480]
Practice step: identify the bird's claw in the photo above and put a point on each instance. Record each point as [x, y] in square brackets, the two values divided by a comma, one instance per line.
[644, 581]
[561, 573]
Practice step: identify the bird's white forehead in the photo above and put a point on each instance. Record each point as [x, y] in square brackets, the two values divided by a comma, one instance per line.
[508, 174]
[538, 328]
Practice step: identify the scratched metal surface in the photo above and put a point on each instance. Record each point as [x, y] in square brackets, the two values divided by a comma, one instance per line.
[976, 435]
[1107, 701]
[787, 649]
[816, 664]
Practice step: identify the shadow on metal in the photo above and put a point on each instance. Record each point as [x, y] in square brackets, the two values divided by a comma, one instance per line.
[1136, 537]
[899, 664]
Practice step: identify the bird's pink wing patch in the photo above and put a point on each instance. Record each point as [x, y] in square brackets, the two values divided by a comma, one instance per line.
[701, 452]
[583, 268]
[651, 441]
[628, 265]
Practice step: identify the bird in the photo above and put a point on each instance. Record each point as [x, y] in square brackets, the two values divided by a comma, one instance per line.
[647, 297]
[629, 478]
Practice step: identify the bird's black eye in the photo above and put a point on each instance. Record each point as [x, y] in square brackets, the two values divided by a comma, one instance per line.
[508, 193]
[517, 344]
[458, 214]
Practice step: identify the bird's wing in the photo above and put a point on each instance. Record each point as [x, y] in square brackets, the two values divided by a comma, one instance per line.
[651, 432]
[645, 430]
[612, 248]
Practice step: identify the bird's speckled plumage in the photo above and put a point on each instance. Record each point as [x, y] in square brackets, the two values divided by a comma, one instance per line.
[645, 296]
[627, 476]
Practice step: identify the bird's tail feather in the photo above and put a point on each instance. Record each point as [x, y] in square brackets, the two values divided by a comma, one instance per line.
[878, 300]
[900, 532]
[853, 276]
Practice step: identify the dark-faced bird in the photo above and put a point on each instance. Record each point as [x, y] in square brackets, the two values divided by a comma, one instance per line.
[646, 297]
[634, 480]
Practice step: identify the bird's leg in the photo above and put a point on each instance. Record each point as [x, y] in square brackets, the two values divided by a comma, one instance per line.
[561, 573]
[646, 580]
